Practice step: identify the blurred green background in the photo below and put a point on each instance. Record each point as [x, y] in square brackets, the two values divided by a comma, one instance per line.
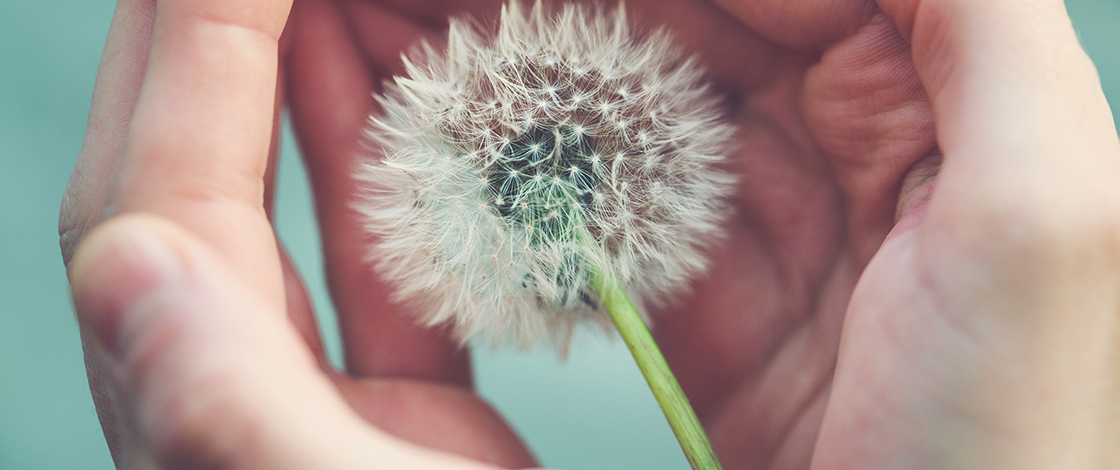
[591, 412]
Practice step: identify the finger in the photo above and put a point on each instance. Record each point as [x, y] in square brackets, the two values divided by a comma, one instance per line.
[1022, 121]
[866, 108]
[182, 338]
[204, 375]
[116, 89]
[331, 98]
[802, 24]
[114, 97]
[199, 141]
[300, 310]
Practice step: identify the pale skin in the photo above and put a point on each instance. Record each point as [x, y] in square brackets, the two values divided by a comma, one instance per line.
[923, 269]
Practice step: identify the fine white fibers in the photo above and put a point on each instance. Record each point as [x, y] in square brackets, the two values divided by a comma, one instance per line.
[507, 166]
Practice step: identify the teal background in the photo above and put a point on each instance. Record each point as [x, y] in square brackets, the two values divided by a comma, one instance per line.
[590, 412]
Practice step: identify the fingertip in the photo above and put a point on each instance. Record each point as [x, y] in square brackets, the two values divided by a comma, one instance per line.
[120, 265]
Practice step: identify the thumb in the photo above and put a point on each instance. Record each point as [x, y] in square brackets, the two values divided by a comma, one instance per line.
[1022, 121]
[200, 373]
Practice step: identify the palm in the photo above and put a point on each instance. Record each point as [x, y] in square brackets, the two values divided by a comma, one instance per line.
[756, 346]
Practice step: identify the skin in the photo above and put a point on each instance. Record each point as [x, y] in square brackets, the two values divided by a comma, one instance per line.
[922, 272]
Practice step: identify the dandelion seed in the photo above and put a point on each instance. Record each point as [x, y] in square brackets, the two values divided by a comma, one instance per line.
[481, 126]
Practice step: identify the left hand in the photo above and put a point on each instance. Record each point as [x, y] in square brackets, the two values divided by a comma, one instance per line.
[200, 342]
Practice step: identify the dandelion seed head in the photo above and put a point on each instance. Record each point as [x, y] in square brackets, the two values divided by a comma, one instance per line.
[516, 139]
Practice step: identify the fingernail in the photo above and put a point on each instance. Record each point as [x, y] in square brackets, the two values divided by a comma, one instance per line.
[118, 268]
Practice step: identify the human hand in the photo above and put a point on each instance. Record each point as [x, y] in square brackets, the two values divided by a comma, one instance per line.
[949, 299]
[983, 332]
[829, 162]
[200, 343]
[971, 186]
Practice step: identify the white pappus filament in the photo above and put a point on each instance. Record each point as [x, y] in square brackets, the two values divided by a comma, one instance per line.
[507, 165]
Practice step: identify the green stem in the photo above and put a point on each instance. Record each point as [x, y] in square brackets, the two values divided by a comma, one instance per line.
[661, 381]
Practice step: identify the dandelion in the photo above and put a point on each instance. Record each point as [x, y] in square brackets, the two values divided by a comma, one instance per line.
[561, 170]
[499, 149]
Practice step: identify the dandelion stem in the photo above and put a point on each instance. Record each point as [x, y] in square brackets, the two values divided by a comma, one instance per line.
[682, 419]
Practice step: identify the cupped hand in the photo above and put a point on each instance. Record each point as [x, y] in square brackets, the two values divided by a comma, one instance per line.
[924, 273]
[200, 343]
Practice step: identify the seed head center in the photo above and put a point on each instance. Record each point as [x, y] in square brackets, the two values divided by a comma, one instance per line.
[561, 155]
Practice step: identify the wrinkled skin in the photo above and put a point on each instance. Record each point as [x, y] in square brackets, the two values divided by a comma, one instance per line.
[893, 294]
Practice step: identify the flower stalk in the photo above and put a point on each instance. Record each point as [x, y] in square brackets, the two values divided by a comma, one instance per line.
[679, 413]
